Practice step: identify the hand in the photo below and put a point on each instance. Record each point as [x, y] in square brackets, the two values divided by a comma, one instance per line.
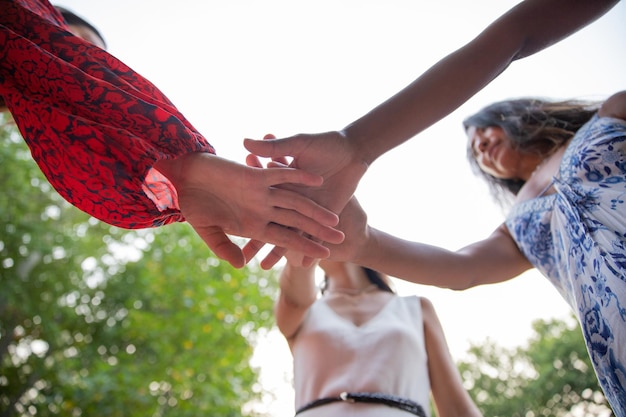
[330, 155]
[219, 197]
[352, 222]
[253, 246]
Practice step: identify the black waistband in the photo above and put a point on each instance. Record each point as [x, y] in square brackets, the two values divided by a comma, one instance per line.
[368, 397]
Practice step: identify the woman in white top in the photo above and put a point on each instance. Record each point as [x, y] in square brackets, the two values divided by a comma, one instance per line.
[359, 349]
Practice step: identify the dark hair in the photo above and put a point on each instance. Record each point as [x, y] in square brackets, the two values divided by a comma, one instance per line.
[72, 19]
[377, 279]
[534, 126]
[374, 277]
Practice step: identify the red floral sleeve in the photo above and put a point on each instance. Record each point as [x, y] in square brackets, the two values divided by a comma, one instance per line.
[94, 126]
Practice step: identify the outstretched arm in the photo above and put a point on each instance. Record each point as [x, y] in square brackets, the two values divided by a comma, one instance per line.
[219, 197]
[342, 157]
[101, 132]
[494, 259]
[529, 27]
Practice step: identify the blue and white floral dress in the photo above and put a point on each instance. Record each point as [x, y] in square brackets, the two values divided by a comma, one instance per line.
[577, 238]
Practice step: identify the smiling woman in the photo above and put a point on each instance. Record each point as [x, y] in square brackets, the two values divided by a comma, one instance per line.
[510, 141]
[567, 221]
[496, 156]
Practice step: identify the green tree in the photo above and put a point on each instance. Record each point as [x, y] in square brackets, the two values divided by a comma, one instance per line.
[97, 320]
[551, 376]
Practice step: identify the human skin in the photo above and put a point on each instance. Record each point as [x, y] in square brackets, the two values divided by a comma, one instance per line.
[219, 197]
[87, 34]
[342, 157]
[494, 259]
[298, 292]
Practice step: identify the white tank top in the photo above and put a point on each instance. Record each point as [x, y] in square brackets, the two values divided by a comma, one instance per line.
[385, 354]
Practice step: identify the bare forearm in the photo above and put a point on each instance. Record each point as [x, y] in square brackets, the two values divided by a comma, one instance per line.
[414, 262]
[297, 293]
[492, 260]
[529, 27]
[431, 97]
[297, 285]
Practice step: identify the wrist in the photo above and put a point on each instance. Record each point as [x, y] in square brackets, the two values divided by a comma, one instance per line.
[297, 283]
[176, 169]
[366, 252]
[359, 144]
[171, 168]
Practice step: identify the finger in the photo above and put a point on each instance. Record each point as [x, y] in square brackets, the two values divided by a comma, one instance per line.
[292, 176]
[285, 199]
[252, 248]
[253, 161]
[295, 241]
[307, 261]
[282, 159]
[273, 257]
[301, 260]
[272, 148]
[277, 164]
[301, 223]
[222, 246]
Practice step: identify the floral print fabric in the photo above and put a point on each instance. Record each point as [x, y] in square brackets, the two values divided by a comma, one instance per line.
[577, 238]
[93, 125]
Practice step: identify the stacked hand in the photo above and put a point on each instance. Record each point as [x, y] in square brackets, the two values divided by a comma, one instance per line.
[328, 155]
[219, 197]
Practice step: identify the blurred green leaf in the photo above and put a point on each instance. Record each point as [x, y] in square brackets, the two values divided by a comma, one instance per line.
[101, 321]
[552, 376]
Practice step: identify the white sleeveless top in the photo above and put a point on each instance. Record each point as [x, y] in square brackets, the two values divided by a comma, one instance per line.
[385, 354]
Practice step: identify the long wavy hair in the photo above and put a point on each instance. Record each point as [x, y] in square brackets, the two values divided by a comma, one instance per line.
[381, 281]
[533, 125]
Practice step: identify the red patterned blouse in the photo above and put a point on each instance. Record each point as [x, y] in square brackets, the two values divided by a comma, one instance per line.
[94, 126]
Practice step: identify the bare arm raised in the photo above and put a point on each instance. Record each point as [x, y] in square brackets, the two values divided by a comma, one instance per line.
[494, 259]
[342, 157]
[297, 293]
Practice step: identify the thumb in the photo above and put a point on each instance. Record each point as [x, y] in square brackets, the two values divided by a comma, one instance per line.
[270, 148]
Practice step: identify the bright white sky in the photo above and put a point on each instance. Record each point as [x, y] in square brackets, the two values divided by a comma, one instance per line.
[243, 68]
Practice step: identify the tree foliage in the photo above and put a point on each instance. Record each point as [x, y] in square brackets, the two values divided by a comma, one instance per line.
[96, 320]
[552, 376]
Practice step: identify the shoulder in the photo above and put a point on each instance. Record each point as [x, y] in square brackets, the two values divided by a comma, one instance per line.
[433, 329]
[614, 106]
[424, 305]
[428, 309]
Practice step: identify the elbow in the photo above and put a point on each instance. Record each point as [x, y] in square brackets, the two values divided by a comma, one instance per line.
[462, 286]
[465, 281]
